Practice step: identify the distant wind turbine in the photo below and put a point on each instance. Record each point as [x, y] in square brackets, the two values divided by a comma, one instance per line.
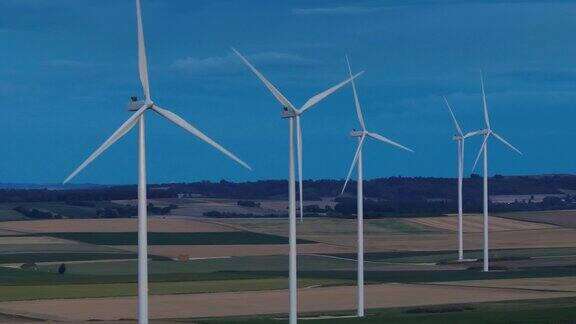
[460, 137]
[141, 106]
[293, 114]
[361, 136]
[487, 133]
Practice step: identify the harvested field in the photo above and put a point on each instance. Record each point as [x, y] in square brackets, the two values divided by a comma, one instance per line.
[334, 231]
[206, 251]
[564, 218]
[543, 238]
[563, 284]
[473, 223]
[264, 302]
[171, 225]
[346, 243]
[14, 240]
[53, 247]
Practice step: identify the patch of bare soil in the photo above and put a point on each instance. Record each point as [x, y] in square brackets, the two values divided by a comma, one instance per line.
[266, 302]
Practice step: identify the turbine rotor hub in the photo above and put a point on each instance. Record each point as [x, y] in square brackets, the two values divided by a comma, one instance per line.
[287, 112]
[357, 133]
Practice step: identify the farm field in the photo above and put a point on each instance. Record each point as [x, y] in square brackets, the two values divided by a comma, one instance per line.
[558, 310]
[155, 224]
[243, 263]
[266, 302]
[564, 218]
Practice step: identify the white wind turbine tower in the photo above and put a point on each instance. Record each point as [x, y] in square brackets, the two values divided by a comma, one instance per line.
[487, 132]
[290, 112]
[140, 107]
[460, 137]
[361, 136]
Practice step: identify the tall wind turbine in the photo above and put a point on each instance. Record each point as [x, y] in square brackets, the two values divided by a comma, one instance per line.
[487, 133]
[140, 107]
[460, 137]
[290, 112]
[361, 136]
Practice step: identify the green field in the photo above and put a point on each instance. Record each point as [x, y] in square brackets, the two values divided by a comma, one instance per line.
[234, 264]
[552, 311]
[33, 292]
[426, 276]
[63, 257]
[158, 238]
[449, 256]
[8, 214]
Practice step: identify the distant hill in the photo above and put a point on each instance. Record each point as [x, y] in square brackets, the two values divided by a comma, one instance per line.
[55, 186]
[384, 196]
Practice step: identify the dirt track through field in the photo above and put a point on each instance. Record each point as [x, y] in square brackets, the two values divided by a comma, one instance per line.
[265, 302]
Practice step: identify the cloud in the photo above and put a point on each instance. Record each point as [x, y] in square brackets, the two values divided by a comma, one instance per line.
[230, 64]
[68, 64]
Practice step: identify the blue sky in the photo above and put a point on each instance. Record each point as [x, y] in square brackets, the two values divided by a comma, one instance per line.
[68, 68]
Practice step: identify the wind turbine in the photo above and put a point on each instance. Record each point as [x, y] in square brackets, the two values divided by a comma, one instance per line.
[460, 137]
[140, 107]
[361, 136]
[487, 133]
[290, 112]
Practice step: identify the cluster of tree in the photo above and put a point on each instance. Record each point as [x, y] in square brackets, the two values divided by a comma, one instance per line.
[117, 211]
[36, 213]
[120, 211]
[80, 203]
[218, 214]
[248, 203]
[154, 210]
[375, 208]
[392, 188]
[410, 195]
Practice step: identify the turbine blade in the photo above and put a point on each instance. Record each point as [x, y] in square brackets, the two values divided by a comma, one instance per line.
[279, 96]
[480, 152]
[506, 142]
[299, 151]
[486, 118]
[388, 141]
[474, 133]
[184, 124]
[458, 129]
[128, 124]
[356, 101]
[142, 62]
[319, 97]
[356, 155]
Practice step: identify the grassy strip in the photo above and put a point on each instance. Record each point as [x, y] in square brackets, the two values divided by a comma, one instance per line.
[156, 238]
[64, 257]
[12, 277]
[425, 276]
[8, 293]
[437, 256]
[557, 310]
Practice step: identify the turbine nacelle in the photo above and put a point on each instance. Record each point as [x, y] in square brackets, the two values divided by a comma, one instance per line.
[484, 132]
[288, 113]
[357, 133]
[134, 104]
